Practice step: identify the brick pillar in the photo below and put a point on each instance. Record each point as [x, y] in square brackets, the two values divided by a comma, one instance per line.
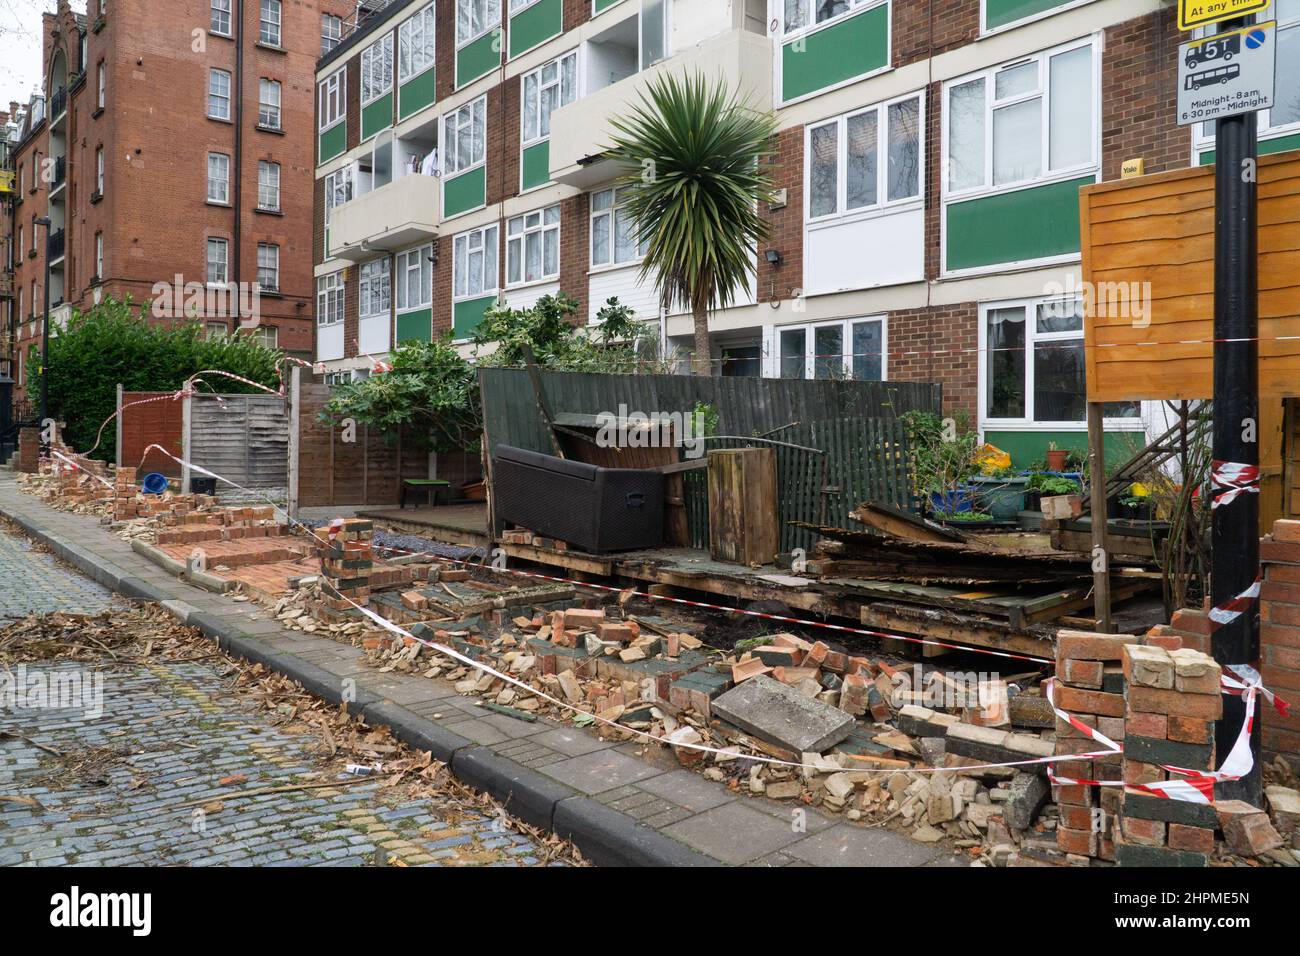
[1280, 639]
[124, 501]
[1172, 700]
[29, 450]
[1090, 687]
[348, 561]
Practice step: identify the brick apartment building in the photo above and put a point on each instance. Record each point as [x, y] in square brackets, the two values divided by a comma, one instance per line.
[929, 160]
[171, 139]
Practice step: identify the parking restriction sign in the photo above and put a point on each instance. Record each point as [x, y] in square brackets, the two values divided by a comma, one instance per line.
[1199, 13]
[1227, 74]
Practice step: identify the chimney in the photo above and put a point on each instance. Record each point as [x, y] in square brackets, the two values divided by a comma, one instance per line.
[65, 7]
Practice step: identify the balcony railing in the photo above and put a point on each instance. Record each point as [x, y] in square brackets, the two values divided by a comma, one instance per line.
[60, 172]
[59, 102]
[58, 244]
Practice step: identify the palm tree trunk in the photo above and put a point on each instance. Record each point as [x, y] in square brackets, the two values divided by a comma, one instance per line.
[701, 363]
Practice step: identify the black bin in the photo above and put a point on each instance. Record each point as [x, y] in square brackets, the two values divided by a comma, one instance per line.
[596, 509]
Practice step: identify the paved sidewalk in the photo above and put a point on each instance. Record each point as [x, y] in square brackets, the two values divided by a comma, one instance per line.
[621, 803]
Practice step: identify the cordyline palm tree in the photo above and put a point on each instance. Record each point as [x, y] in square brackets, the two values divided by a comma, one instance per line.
[695, 180]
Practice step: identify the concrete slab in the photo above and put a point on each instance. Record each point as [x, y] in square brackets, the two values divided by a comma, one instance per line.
[783, 716]
[847, 845]
[734, 833]
[572, 743]
[599, 771]
[687, 790]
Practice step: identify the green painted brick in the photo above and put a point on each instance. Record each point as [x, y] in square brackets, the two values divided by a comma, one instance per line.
[1170, 811]
[417, 93]
[1127, 854]
[536, 165]
[840, 52]
[535, 25]
[1170, 752]
[477, 58]
[1021, 226]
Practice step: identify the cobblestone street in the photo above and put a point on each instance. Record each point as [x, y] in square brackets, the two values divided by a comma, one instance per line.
[148, 766]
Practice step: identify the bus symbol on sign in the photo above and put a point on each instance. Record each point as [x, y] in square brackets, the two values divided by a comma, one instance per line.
[1222, 75]
[1216, 48]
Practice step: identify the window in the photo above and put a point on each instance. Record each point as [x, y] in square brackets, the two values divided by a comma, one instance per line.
[338, 190]
[333, 104]
[331, 32]
[268, 103]
[415, 44]
[474, 264]
[377, 69]
[268, 267]
[268, 336]
[466, 136]
[99, 170]
[219, 178]
[269, 27]
[219, 94]
[268, 186]
[99, 259]
[843, 349]
[415, 279]
[848, 171]
[329, 299]
[546, 90]
[218, 261]
[220, 24]
[376, 289]
[654, 32]
[474, 18]
[803, 13]
[1033, 368]
[533, 246]
[1029, 121]
[613, 234]
[100, 97]
[215, 331]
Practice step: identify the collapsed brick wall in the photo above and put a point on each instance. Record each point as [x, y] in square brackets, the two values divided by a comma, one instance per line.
[154, 423]
[29, 450]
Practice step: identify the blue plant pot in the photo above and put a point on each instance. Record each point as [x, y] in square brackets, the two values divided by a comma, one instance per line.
[957, 501]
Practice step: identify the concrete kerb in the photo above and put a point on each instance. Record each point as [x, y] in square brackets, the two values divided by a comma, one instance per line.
[605, 836]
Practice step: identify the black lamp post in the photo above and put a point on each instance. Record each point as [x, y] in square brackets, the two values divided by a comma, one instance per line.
[45, 335]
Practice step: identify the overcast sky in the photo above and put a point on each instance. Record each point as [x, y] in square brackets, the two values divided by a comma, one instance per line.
[20, 46]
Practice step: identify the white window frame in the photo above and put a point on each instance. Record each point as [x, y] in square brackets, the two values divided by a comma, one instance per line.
[417, 261]
[1047, 175]
[329, 299]
[221, 8]
[100, 96]
[1202, 141]
[265, 106]
[539, 89]
[489, 237]
[331, 32]
[422, 28]
[99, 170]
[213, 75]
[451, 130]
[268, 187]
[882, 204]
[342, 180]
[375, 285]
[810, 6]
[332, 99]
[270, 262]
[612, 213]
[517, 243]
[809, 329]
[217, 243]
[270, 28]
[377, 77]
[491, 20]
[99, 257]
[1032, 338]
[224, 195]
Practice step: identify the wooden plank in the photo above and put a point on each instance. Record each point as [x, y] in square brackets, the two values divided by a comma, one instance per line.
[902, 524]
[1100, 545]
[743, 505]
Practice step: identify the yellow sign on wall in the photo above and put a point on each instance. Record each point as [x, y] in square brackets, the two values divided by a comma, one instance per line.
[1198, 13]
[6, 181]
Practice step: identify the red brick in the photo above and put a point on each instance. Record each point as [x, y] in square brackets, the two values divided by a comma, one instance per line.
[1195, 839]
[1143, 832]
[1190, 730]
[1285, 529]
[1076, 817]
[1083, 673]
[1150, 700]
[1082, 842]
[1074, 700]
[1147, 725]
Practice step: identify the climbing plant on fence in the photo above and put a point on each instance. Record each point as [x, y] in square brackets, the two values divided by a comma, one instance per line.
[112, 343]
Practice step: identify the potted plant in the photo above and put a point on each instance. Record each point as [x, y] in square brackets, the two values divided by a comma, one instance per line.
[1001, 494]
[1135, 504]
[1042, 486]
[943, 459]
[1056, 457]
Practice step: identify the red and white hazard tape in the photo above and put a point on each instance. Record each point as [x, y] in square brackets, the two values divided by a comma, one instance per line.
[1235, 479]
[72, 465]
[1234, 608]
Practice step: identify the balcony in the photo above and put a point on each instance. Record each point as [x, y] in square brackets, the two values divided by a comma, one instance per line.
[58, 246]
[6, 285]
[392, 217]
[580, 132]
[60, 175]
[58, 104]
